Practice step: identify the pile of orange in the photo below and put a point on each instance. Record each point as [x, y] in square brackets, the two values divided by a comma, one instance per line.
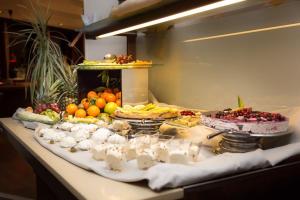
[94, 103]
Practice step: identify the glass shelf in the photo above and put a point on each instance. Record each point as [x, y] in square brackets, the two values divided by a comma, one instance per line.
[111, 66]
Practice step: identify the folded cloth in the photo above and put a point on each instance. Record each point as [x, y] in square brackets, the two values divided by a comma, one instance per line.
[175, 175]
[276, 155]
[27, 124]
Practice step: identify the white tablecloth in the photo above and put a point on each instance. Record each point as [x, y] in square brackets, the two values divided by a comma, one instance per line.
[211, 166]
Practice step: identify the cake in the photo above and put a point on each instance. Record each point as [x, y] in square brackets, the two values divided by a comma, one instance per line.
[247, 120]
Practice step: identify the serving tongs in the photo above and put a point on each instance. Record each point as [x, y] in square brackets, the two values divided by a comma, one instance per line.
[228, 131]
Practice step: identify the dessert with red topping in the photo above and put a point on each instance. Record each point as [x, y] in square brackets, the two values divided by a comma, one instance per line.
[247, 120]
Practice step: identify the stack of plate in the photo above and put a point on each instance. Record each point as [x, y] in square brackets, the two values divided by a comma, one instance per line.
[148, 125]
[241, 142]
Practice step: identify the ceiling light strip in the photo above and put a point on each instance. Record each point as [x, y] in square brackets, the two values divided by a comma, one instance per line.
[173, 17]
[244, 32]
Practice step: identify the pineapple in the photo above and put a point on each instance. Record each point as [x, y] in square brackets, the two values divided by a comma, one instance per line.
[48, 97]
[69, 88]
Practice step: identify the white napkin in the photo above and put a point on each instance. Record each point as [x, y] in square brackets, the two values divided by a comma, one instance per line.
[172, 175]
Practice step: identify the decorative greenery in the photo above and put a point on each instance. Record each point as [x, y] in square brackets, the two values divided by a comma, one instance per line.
[107, 81]
[51, 78]
[240, 102]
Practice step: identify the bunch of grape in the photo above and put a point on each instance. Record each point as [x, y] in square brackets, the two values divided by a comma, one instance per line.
[42, 107]
[124, 59]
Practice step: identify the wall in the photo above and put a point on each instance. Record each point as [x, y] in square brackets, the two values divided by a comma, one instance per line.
[96, 49]
[263, 68]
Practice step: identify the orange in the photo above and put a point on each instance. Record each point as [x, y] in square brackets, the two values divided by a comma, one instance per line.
[93, 111]
[110, 98]
[100, 102]
[108, 90]
[71, 108]
[80, 113]
[92, 94]
[85, 102]
[104, 94]
[99, 94]
[116, 90]
[118, 95]
[118, 102]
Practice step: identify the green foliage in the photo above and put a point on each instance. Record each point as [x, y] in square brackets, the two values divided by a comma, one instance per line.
[240, 102]
[51, 78]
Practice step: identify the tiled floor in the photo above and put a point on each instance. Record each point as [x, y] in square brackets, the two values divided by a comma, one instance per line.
[16, 176]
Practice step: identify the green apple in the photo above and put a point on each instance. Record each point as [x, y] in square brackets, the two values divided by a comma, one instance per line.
[110, 107]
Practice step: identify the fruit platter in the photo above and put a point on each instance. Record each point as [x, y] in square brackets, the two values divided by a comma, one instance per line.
[115, 62]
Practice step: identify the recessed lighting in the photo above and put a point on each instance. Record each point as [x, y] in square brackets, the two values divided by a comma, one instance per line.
[200, 9]
[244, 32]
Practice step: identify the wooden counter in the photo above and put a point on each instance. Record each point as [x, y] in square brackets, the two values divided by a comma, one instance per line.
[81, 183]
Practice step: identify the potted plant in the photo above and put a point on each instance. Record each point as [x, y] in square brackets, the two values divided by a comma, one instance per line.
[53, 81]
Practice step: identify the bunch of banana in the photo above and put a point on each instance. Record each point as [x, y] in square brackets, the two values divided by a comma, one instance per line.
[148, 110]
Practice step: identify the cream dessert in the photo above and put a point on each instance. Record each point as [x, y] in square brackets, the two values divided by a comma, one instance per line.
[247, 120]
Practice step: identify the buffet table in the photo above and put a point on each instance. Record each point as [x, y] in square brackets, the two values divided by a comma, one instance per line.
[63, 180]
[59, 179]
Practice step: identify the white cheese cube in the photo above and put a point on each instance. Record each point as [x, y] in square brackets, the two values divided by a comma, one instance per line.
[99, 151]
[162, 152]
[131, 152]
[146, 159]
[115, 159]
[179, 157]
[194, 152]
